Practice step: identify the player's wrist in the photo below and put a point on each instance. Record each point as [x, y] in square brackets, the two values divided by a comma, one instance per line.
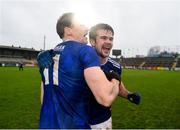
[134, 97]
[129, 95]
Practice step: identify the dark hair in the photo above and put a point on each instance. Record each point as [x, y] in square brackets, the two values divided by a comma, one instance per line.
[64, 21]
[93, 30]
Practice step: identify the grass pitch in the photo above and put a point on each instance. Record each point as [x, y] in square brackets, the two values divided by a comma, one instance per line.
[19, 98]
[160, 106]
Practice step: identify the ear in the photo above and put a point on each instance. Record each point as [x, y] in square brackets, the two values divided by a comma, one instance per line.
[67, 31]
[92, 42]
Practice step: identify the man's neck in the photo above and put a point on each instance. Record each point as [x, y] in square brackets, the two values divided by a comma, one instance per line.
[69, 38]
[103, 60]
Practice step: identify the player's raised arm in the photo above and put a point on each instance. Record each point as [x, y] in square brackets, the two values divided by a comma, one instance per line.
[104, 91]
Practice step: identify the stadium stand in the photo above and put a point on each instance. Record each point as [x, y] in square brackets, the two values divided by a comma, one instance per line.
[132, 62]
[178, 63]
[153, 63]
[13, 56]
[159, 62]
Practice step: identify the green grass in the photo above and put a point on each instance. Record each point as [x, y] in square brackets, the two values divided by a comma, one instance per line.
[160, 106]
[19, 98]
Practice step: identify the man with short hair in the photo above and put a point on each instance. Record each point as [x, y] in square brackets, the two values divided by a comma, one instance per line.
[68, 83]
[101, 38]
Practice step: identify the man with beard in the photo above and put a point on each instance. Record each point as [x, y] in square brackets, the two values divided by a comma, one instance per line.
[101, 38]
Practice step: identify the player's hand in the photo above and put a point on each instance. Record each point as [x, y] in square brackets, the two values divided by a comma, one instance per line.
[112, 75]
[45, 59]
[134, 98]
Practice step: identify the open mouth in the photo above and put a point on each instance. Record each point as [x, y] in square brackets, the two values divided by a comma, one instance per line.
[107, 47]
[106, 50]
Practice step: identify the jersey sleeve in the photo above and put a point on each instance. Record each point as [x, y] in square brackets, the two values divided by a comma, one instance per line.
[89, 57]
[115, 66]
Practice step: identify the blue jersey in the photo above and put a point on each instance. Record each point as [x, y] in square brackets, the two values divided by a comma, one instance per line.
[66, 94]
[98, 112]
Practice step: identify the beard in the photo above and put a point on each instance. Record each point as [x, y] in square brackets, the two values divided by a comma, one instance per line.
[103, 54]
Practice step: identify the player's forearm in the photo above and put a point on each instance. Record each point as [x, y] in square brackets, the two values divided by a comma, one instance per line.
[112, 92]
[104, 91]
[123, 92]
[108, 92]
